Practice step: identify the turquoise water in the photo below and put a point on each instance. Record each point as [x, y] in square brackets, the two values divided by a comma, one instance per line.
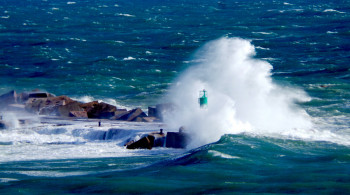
[277, 75]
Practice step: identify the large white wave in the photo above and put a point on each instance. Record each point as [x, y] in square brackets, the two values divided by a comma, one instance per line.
[242, 96]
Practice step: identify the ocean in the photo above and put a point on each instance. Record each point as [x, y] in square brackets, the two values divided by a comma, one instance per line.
[277, 75]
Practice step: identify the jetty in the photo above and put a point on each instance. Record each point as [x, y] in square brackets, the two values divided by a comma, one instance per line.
[58, 108]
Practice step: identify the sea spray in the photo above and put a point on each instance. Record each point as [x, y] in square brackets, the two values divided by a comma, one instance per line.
[242, 95]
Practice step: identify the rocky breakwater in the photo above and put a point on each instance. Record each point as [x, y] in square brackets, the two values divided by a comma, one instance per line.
[47, 104]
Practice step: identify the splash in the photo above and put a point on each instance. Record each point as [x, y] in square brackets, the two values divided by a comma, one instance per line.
[242, 96]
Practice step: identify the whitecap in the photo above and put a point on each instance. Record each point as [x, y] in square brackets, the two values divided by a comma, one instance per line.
[332, 32]
[129, 58]
[120, 42]
[222, 155]
[126, 15]
[6, 180]
[262, 48]
[264, 33]
[71, 2]
[333, 10]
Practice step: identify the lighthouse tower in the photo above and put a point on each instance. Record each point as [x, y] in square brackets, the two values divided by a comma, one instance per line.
[203, 99]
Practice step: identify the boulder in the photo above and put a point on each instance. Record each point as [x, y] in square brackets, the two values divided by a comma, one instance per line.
[23, 97]
[52, 105]
[176, 140]
[99, 110]
[2, 125]
[146, 142]
[65, 110]
[8, 98]
[35, 105]
[135, 113]
[132, 115]
[121, 115]
[152, 112]
[78, 114]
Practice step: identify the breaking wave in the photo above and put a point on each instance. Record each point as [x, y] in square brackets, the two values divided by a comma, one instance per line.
[242, 96]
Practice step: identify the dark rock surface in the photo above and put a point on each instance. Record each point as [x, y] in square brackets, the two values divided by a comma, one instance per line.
[99, 110]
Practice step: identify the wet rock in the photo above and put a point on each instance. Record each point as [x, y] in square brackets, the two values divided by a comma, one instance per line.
[121, 115]
[2, 125]
[78, 114]
[176, 140]
[65, 110]
[35, 105]
[131, 115]
[99, 110]
[146, 142]
[159, 139]
[152, 112]
[25, 96]
[54, 106]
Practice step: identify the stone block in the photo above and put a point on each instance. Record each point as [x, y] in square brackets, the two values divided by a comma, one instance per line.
[176, 140]
[78, 114]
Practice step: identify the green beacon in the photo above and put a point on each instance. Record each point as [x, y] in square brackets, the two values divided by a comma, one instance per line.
[203, 100]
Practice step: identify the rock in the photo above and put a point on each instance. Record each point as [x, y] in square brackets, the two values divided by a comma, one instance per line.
[131, 115]
[143, 143]
[159, 139]
[99, 110]
[152, 112]
[23, 97]
[176, 140]
[54, 106]
[149, 119]
[2, 125]
[8, 98]
[78, 114]
[121, 115]
[34, 105]
[135, 113]
[120, 111]
[65, 110]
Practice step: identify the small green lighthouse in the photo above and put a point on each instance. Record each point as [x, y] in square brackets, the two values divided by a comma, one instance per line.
[203, 99]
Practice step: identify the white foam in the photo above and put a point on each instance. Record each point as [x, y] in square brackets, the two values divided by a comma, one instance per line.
[222, 155]
[129, 58]
[333, 10]
[53, 139]
[126, 15]
[242, 95]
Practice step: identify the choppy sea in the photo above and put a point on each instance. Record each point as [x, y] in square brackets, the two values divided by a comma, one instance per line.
[277, 75]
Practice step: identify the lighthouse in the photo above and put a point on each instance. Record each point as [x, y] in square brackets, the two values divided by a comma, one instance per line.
[203, 99]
